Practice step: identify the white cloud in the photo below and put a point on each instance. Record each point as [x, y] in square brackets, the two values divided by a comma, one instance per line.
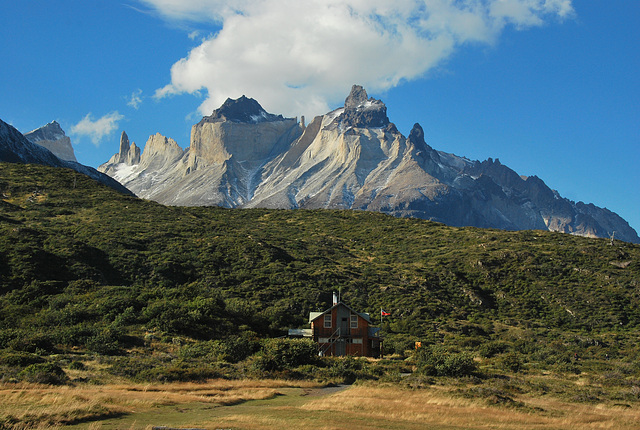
[299, 57]
[136, 99]
[98, 129]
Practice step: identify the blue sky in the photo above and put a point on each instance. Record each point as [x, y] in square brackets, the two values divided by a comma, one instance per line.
[550, 87]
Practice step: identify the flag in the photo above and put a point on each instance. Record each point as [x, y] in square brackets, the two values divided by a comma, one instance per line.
[384, 313]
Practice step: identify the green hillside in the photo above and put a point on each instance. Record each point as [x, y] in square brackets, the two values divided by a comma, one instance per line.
[84, 269]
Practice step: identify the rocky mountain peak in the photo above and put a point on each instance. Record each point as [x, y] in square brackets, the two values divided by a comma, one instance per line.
[356, 97]
[52, 137]
[51, 131]
[244, 110]
[360, 111]
[416, 136]
[128, 154]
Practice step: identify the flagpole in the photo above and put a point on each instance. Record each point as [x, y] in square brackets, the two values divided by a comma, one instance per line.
[381, 345]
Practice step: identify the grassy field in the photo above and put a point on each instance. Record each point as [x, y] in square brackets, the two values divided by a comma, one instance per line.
[280, 404]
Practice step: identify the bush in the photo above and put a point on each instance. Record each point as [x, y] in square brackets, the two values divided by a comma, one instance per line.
[20, 359]
[281, 354]
[512, 362]
[230, 350]
[198, 350]
[77, 365]
[200, 317]
[44, 373]
[349, 370]
[32, 343]
[107, 342]
[398, 344]
[179, 371]
[490, 349]
[436, 361]
[131, 367]
[76, 335]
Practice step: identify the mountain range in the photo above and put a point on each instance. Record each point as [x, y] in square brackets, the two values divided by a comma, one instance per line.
[351, 158]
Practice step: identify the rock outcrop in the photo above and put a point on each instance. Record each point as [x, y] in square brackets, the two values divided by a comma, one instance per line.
[52, 137]
[220, 167]
[129, 153]
[350, 158]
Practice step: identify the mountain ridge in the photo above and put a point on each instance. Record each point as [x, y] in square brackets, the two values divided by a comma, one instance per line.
[352, 158]
[16, 148]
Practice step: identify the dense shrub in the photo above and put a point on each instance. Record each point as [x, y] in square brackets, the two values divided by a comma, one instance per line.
[398, 344]
[204, 349]
[75, 335]
[281, 354]
[106, 342]
[133, 367]
[437, 361]
[492, 348]
[512, 362]
[198, 317]
[231, 350]
[346, 368]
[163, 369]
[77, 365]
[20, 359]
[236, 349]
[33, 342]
[44, 373]
[179, 371]
[349, 369]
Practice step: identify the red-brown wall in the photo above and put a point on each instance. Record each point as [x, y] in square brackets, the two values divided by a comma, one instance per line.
[362, 332]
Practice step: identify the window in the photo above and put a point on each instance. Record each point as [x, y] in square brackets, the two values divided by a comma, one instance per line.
[327, 321]
[354, 321]
[357, 341]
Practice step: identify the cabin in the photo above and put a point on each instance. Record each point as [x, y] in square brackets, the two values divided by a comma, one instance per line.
[341, 331]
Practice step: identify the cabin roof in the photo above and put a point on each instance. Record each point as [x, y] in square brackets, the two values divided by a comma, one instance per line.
[315, 315]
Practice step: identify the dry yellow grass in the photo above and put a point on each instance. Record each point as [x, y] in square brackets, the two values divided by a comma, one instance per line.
[436, 408]
[357, 407]
[33, 406]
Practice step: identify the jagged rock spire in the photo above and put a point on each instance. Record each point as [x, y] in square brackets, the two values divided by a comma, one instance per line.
[124, 145]
[356, 97]
[417, 134]
[129, 153]
[361, 111]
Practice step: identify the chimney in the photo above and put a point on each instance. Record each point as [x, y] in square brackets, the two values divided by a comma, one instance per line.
[335, 298]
